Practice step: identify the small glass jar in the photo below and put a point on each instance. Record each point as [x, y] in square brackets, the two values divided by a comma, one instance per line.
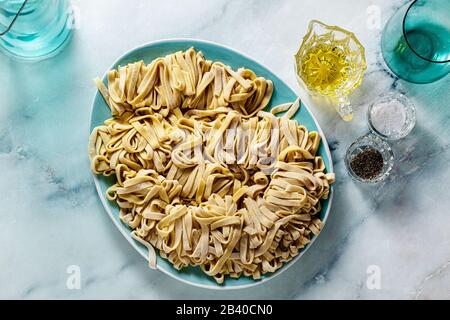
[392, 117]
[370, 141]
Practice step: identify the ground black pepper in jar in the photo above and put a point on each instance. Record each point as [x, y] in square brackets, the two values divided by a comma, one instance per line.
[368, 164]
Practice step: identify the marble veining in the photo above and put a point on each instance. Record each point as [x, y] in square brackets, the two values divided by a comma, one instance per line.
[51, 217]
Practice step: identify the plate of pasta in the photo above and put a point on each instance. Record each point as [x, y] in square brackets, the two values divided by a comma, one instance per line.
[208, 163]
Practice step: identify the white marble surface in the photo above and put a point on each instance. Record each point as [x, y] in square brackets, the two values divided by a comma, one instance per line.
[51, 217]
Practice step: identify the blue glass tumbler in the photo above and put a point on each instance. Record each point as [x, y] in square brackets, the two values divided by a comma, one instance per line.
[416, 41]
[41, 29]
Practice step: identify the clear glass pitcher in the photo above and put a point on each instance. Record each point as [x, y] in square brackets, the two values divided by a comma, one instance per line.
[34, 29]
[331, 62]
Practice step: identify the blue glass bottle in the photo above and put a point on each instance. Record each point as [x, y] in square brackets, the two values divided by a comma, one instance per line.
[416, 41]
[41, 30]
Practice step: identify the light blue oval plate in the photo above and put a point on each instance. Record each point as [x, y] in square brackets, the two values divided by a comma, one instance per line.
[282, 93]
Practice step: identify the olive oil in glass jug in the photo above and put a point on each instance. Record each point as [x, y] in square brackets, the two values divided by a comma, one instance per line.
[331, 63]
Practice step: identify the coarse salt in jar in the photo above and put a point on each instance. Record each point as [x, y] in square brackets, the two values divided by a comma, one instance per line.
[392, 117]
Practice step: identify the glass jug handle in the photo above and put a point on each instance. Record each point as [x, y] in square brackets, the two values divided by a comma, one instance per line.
[344, 108]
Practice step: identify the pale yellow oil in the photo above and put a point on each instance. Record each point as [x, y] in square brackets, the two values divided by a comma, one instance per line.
[324, 68]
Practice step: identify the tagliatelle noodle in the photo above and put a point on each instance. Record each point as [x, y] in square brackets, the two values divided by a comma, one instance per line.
[203, 175]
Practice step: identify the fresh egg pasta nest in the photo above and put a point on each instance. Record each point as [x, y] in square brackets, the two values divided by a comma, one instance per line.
[202, 173]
